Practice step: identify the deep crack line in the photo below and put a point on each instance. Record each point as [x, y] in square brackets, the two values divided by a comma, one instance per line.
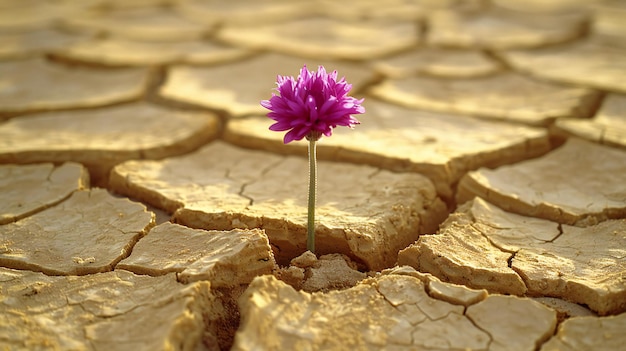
[493, 243]
[510, 261]
[479, 328]
[560, 228]
[263, 172]
[241, 193]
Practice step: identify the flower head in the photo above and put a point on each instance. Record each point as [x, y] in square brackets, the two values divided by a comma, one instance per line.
[312, 105]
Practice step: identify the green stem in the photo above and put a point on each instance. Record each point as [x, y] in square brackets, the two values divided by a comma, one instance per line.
[310, 239]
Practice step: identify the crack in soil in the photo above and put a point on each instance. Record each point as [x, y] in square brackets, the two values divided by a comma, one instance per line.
[560, 228]
[511, 257]
[263, 172]
[510, 261]
[479, 328]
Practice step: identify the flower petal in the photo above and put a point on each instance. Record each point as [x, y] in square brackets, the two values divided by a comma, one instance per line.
[315, 101]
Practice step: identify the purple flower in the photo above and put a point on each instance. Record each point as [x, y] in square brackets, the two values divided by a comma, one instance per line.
[312, 105]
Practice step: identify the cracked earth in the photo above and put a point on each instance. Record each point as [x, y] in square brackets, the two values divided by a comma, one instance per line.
[145, 205]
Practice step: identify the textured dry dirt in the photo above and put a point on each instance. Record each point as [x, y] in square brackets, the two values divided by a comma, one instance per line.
[145, 205]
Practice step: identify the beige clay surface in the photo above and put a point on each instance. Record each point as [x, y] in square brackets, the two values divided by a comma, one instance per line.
[466, 170]
[101, 138]
[461, 254]
[595, 62]
[505, 96]
[484, 247]
[500, 29]
[437, 289]
[394, 10]
[113, 311]
[214, 88]
[547, 188]
[608, 18]
[607, 127]
[31, 188]
[35, 84]
[324, 38]
[88, 233]
[391, 312]
[589, 333]
[124, 52]
[150, 23]
[438, 62]
[540, 6]
[21, 44]
[243, 12]
[330, 272]
[22, 16]
[220, 191]
[226, 258]
[401, 139]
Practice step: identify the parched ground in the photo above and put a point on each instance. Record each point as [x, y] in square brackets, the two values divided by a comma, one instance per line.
[480, 204]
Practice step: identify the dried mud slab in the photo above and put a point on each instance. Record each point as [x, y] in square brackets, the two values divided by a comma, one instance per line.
[31, 188]
[437, 289]
[507, 96]
[141, 23]
[580, 269]
[325, 38]
[391, 312]
[124, 4]
[221, 187]
[88, 233]
[594, 62]
[541, 6]
[113, 311]
[13, 45]
[589, 333]
[607, 127]
[219, 88]
[27, 15]
[437, 62]
[251, 11]
[526, 334]
[609, 19]
[122, 52]
[101, 138]
[565, 309]
[392, 10]
[577, 184]
[329, 272]
[462, 254]
[35, 85]
[243, 12]
[400, 139]
[225, 258]
[482, 246]
[502, 29]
